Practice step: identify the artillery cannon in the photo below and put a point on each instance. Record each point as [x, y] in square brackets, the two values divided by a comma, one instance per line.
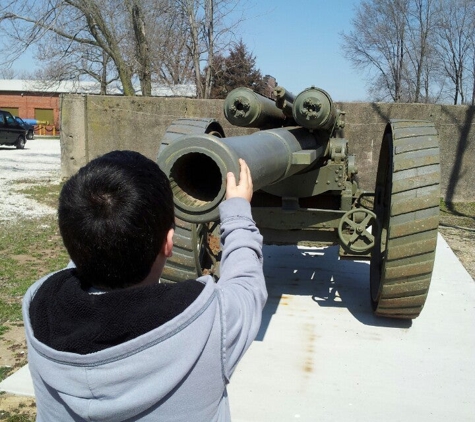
[306, 191]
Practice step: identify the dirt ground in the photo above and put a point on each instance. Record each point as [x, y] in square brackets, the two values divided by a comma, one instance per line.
[13, 354]
[462, 242]
[13, 346]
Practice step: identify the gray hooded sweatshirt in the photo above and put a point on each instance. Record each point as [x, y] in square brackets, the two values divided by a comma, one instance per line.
[175, 372]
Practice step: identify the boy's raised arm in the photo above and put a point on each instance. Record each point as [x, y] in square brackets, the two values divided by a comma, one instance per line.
[242, 280]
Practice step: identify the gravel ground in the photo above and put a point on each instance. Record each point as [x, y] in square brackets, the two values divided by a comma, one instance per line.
[40, 160]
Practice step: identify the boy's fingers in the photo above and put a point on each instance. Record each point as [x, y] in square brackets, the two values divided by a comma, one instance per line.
[243, 187]
[244, 169]
[231, 180]
[245, 174]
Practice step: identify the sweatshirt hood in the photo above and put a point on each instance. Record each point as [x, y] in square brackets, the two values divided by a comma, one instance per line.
[118, 383]
[67, 317]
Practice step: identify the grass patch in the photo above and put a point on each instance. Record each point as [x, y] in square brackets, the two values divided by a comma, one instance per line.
[29, 249]
[46, 194]
[8, 417]
[460, 214]
[4, 371]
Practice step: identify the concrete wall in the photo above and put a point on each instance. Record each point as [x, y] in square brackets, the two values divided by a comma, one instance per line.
[456, 127]
[93, 125]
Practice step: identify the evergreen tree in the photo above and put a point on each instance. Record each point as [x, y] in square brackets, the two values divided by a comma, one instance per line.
[238, 69]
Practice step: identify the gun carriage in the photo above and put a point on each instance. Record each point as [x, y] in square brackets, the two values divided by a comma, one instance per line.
[306, 191]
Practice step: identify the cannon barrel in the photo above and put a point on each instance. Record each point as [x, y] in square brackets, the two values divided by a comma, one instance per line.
[197, 165]
[245, 108]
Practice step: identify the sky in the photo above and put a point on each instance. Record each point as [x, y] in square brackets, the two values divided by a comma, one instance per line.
[299, 43]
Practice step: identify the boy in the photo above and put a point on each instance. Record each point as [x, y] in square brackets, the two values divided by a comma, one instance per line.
[106, 340]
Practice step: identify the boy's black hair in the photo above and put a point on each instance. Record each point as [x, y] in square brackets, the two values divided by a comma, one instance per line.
[114, 215]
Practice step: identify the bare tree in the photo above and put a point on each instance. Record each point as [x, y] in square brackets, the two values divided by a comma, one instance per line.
[422, 63]
[210, 40]
[378, 42]
[105, 25]
[412, 47]
[171, 59]
[60, 62]
[87, 23]
[142, 49]
[7, 73]
[148, 40]
[209, 33]
[190, 9]
[455, 34]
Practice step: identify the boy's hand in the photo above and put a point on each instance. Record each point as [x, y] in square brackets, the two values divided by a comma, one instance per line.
[244, 188]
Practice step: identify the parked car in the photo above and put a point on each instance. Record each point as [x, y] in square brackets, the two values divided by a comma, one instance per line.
[30, 129]
[11, 132]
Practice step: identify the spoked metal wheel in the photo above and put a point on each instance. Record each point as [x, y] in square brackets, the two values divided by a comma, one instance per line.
[406, 204]
[196, 249]
[356, 230]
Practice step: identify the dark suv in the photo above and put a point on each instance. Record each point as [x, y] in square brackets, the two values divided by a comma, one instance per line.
[11, 132]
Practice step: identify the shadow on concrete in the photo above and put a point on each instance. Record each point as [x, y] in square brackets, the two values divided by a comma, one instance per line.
[384, 116]
[11, 148]
[462, 146]
[321, 275]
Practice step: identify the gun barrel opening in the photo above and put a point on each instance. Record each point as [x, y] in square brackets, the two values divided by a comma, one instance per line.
[195, 179]
[239, 105]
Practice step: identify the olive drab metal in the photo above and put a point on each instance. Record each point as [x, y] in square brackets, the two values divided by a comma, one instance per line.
[306, 191]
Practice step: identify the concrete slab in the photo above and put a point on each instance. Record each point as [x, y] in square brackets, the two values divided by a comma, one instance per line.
[19, 383]
[322, 355]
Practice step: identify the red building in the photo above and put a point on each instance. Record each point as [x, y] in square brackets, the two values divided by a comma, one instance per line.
[33, 100]
[39, 100]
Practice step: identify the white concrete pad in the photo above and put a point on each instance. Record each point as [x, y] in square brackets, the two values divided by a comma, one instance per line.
[321, 355]
[19, 383]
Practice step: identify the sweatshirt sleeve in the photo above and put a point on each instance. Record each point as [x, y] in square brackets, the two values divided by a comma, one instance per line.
[242, 284]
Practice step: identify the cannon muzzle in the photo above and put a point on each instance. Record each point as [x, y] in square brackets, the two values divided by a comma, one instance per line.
[196, 165]
[245, 108]
[314, 109]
